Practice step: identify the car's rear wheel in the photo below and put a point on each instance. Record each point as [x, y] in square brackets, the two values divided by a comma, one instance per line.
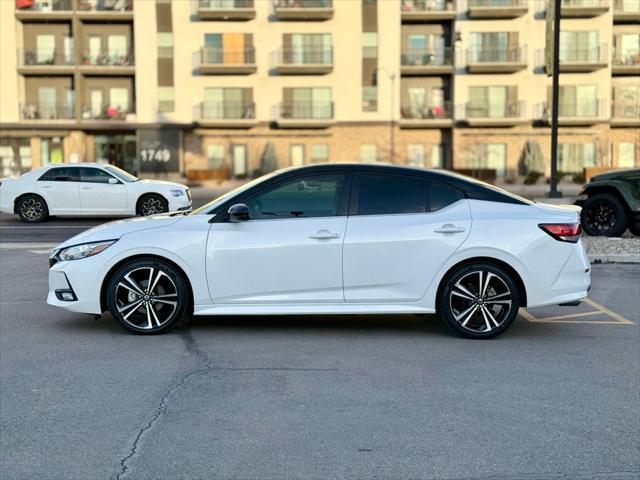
[152, 204]
[479, 300]
[603, 215]
[147, 296]
[32, 209]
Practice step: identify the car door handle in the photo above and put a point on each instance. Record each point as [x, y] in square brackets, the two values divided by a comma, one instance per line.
[324, 235]
[47, 186]
[449, 228]
[85, 188]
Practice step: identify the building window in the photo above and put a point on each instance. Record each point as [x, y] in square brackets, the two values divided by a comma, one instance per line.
[51, 151]
[491, 156]
[415, 155]
[574, 157]
[165, 45]
[166, 100]
[370, 99]
[578, 101]
[369, 153]
[215, 156]
[297, 155]
[307, 103]
[626, 155]
[437, 156]
[307, 48]
[15, 156]
[320, 153]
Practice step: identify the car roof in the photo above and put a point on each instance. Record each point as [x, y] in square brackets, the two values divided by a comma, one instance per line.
[76, 165]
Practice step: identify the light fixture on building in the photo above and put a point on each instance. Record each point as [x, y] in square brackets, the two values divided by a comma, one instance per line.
[457, 42]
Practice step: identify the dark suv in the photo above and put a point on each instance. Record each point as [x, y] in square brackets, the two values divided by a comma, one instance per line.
[611, 203]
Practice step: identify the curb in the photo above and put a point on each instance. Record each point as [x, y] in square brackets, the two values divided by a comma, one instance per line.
[614, 258]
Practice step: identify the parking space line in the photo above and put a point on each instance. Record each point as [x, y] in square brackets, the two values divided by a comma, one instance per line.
[606, 311]
[617, 319]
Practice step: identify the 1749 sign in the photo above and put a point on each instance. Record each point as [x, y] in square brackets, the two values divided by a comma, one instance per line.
[158, 150]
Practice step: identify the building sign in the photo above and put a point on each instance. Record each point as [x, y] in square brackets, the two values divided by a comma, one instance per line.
[159, 150]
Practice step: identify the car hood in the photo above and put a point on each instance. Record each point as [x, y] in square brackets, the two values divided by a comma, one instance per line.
[615, 175]
[161, 183]
[116, 229]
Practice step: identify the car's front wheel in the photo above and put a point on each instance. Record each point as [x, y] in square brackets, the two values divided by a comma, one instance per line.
[147, 296]
[603, 214]
[479, 300]
[32, 209]
[152, 204]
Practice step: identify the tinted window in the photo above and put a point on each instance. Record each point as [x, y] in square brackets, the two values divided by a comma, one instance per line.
[313, 196]
[94, 175]
[441, 195]
[388, 194]
[61, 174]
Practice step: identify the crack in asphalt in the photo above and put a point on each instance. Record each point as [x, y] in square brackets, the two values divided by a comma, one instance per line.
[192, 348]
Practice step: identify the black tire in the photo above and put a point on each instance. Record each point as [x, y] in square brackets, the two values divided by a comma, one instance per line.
[634, 228]
[32, 208]
[477, 316]
[152, 204]
[142, 311]
[603, 215]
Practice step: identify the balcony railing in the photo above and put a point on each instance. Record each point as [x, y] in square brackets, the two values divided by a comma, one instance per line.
[46, 111]
[121, 58]
[583, 59]
[226, 9]
[502, 55]
[626, 62]
[106, 111]
[419, 10]
[574, 113]
[44, 7]
[506, 110]
[583, 8]
[303, 9]
[105, 5]
[497, 8]
[305, 56]
[428, 56]
[497, 3]
[629, 110]
[625, 10]
[311, 4]
[227, 56]
[224, 5]
[225, 110]
[306, 110]
[45, 57]
[427, 111]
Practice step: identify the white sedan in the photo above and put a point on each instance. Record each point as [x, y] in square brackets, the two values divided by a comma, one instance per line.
[88, 189]
[332, 239]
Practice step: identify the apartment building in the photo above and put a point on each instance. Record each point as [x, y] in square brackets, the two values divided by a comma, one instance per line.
[229, 88]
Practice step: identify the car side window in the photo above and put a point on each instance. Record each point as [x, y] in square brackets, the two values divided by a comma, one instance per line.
[312, 196]
[61, 174]
[94, 175]
[441, 195]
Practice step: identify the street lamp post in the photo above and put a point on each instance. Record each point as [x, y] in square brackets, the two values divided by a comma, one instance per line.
[553, 181]
[392, 133]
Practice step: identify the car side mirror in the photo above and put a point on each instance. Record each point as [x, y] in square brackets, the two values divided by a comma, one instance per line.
[113, 181]
[238, 213]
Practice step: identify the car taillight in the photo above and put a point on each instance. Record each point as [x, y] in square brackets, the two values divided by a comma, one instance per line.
[565, 232]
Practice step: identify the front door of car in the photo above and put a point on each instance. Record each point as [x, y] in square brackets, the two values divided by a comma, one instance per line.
[59, 187]
[101, 193]
[290, 248]
[401, 231]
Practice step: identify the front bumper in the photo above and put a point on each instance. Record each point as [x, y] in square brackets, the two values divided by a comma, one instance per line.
[76, 276]
[180, 204]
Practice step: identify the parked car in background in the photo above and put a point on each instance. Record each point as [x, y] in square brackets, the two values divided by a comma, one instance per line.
[332, 239]
[88, 189]
[611, 203]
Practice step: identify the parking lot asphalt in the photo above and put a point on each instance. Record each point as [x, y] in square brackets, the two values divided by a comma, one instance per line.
[313, 397]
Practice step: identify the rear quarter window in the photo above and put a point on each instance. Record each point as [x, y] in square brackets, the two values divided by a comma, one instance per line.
[61, 174]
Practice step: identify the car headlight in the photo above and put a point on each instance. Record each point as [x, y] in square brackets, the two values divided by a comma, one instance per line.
[85, 250]
[177, 193]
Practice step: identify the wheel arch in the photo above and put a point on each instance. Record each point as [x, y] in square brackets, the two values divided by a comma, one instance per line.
[22, 195]
[494, 261]
[146, 194]
[143, 256]
[611, 190]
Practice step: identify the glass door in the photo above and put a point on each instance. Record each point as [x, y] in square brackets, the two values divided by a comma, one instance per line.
[47, 102]
[45, 49]
[239, 158]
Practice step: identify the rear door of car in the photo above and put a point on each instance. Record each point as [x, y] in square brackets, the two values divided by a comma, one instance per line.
[59, 186]
[401, 231]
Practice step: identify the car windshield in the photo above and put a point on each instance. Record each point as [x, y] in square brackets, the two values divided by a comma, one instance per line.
[222, 198]
[121, 174]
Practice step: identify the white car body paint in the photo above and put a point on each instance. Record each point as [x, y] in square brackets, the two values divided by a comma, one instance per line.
[88, 198]
[359, 264]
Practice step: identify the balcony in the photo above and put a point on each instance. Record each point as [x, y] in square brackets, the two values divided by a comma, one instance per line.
[226, 114]
[572, 114]
[226, 61]
[416, 11]
[39, 10]
[46, 112]
[304, 115]
[303, 9]
[304, 61]
[507, 60]
[625, 113]
[485, 115]
[108, 63]
[426, 62]
[108, 112]
[226, 10]
[583, 8]
[497, 8]
[49, 62]
[426, 116]
[625, 11]
[105, 10]
[586, 59]
[626, 63]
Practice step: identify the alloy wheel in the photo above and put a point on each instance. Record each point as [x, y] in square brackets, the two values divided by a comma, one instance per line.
[32, 209]
[480, 301]
[601, 217]
[146, 298]
[152, 206]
